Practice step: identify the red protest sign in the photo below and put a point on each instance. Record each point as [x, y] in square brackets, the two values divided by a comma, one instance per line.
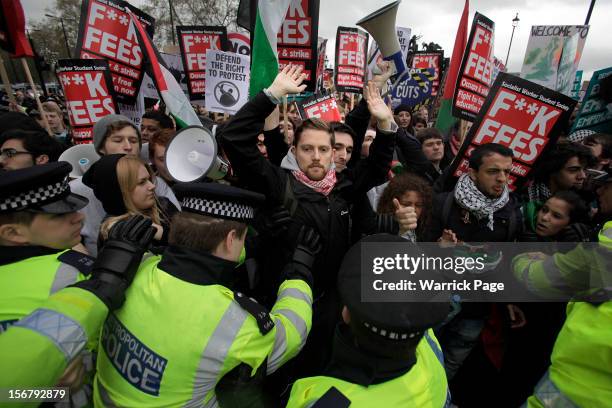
[430, 60]
[194, 41]
[521, 115]
[106, 32]
[89, 93]
[297, 39]
[239, 43]
[322, 107]
[474, 79]
[351, 59]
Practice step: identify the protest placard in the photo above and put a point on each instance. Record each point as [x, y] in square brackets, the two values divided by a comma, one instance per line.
[322, 107]
[239, 43]
[594, 113]
[351, 48]
[575, 93]
[298, 37]
[498, 66]
[106, 32]
[321, 63]
[415, 89]
[194, 42]
[403, 36]
[227, 78]
[521, 115]
[474, 79]
[430, 59]
[553, 54]
[89, 94]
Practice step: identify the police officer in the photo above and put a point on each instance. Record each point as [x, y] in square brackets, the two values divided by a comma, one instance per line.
[580, 374]
[383, 354]
[183, 329]
[39, 223]
[36, 350]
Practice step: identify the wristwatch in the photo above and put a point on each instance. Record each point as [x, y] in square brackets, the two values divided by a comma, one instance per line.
[271, 97]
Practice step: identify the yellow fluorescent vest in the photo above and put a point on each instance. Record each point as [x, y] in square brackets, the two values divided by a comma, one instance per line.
[581, 371]
[424, 386]
[26, 284]
[172, 341]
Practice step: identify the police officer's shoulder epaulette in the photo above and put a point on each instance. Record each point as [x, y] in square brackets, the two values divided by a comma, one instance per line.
[261, 315]
[80, 261]
[333, 398]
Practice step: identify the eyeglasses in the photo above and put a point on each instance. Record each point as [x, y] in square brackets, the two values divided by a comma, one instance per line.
[11, 153]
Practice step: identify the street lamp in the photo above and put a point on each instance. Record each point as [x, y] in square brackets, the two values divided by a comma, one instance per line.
[64, 31]
[515, 22]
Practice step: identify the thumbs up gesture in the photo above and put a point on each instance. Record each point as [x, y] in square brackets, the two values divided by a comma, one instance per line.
[406, 217]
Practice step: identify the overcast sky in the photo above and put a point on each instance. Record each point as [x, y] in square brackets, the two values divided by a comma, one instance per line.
[438, 23]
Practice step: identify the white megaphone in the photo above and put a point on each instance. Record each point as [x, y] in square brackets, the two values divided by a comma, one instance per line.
[144, 153]
[81, 157]
[381, 26]
[192, 154]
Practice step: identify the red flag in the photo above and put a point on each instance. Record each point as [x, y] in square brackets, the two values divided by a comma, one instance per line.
[14, 20]
[455, 61]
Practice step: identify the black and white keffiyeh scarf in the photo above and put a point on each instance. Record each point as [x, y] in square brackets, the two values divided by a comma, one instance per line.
[538, 192]
[470, 198]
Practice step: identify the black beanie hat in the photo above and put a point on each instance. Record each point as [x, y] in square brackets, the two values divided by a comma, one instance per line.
[402, 108]
[102, 178]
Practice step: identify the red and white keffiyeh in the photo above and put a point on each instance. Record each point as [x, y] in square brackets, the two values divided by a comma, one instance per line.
[323, 186]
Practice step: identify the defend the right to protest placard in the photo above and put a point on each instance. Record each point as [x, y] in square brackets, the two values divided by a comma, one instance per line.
[227, 81]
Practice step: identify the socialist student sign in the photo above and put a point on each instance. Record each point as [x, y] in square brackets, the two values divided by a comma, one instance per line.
[194, 41]
[351, 59]
[106, 32]
[89, 94]
[474, 79]
[520, 115]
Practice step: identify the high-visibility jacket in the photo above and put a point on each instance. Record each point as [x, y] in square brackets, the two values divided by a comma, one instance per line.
[26, 284]
[580, 374]
[174, 340]
[424, 386]
[35, 351]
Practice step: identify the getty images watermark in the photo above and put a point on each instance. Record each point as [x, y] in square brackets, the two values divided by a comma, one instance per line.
[492, 272]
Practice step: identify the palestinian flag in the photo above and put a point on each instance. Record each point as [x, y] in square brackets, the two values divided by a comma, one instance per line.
[445, 120]
[169, 90]
[264, 56]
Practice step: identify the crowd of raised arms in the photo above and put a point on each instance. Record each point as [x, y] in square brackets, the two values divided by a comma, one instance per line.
[134, 290]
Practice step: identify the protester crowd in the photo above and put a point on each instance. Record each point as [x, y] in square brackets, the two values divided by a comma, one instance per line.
[245, 291]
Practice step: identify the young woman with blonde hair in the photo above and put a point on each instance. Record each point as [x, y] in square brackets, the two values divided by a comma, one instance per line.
[125, 186]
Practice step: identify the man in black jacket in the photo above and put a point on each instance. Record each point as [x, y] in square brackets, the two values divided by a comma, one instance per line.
[479, 209]
[307, 185]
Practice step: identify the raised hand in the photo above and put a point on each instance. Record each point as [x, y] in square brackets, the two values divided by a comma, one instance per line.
[288, 81]
[377, 107]
[382, 75]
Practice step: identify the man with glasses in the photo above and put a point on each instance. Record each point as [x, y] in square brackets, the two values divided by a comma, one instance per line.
[20, 149]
